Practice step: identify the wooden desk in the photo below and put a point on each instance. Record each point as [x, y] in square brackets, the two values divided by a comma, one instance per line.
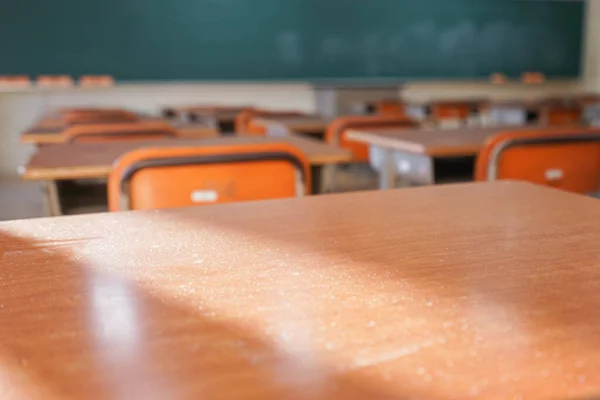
[463, 291]
[53, 134]
[94, 160]
[310, 125]
[222, 116]
[409, 153]
[58, 119]
[193, 130]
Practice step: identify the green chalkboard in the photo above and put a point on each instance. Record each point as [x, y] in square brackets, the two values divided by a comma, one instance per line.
[290, 39]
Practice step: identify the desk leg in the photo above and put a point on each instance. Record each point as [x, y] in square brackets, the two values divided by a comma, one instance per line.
[387, 173]
[429, 171]
[327, 178]
[382, 161]
[52, 200]
[414, 169]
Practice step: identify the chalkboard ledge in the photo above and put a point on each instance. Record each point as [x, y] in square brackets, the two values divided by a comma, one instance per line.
[291, 84]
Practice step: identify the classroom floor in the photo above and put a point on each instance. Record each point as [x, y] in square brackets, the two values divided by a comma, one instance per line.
[19, 200]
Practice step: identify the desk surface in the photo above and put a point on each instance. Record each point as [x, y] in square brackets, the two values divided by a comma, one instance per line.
[221, 113]
[94, 160]
[192, 130]
[53, 133]
[433, 142]
[463, 291]
[310, 124]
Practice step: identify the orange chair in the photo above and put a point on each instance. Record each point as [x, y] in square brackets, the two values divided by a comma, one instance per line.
[336, 131]
[561, 114]
[57, 81]
[15, 81]
[164, 177]
[389, 108]
[93, 81]
[242, 120]
[565, 158]
[257, 127]
[451, 110]
[94, 133]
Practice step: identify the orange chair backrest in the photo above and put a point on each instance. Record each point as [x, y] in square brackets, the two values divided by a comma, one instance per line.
[560, 115]
[390, 108]
[165, 177]
[565, 158]
[336, 131]
[242, 120]
[257, 127]
[442, 111]
[108, 132]
[96, 81]
[55, 81]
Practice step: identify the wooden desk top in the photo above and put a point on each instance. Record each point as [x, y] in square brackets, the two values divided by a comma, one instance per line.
[94, 160]
[220, 113]
[465, 141]
[487, 290]
[310, 124]
[192, 130]
[53, 134]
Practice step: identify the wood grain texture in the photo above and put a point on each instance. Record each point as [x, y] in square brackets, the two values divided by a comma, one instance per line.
[309, 124]
[196, 131]
[53, 134]
[465, 141]
[94, 160]
[466, 291]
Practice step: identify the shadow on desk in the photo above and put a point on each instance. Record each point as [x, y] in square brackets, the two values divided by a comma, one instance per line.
[73, 331]
[493, 290]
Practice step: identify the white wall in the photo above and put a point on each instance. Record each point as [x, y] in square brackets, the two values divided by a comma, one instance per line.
[440, 90]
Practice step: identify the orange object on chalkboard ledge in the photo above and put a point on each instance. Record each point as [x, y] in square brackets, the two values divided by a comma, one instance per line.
[56, 81]
[14, 81]
[498, 79]
[533, 78]
[96, 81]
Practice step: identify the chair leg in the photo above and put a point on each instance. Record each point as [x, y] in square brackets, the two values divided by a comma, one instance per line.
[52, 199]
[387, 174]
[328, 178]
